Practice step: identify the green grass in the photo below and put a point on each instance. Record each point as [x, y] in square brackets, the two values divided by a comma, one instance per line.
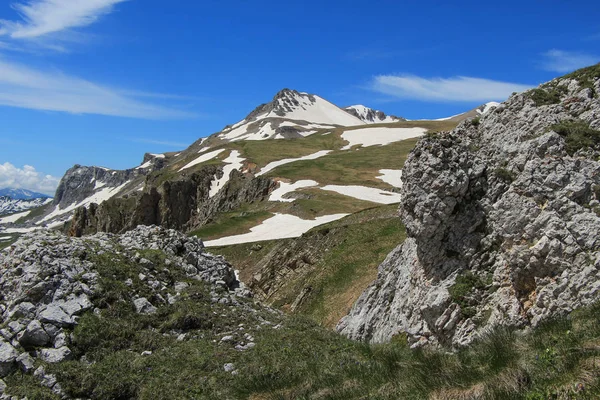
[295, 358]
[586, 77]
[346, 255]
[5, 244]
[231, 223]
[547, 95]
[358, 167]
[35, 212]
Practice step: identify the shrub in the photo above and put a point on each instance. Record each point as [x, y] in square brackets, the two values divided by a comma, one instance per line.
[475, 121]
[547, 95]
[577, 134]
[504, 175]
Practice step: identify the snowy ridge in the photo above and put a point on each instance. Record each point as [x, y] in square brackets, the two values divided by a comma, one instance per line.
[9, 205]
[290, 114]
[371, 116]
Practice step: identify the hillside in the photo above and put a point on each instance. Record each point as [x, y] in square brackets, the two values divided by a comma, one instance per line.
[151, 315]
[316, 163]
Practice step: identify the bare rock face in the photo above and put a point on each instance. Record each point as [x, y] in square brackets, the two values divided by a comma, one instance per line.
[181, 203]
[502, 216]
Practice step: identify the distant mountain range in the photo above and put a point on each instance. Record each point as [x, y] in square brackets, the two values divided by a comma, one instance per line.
[17, 200]
[22, 194]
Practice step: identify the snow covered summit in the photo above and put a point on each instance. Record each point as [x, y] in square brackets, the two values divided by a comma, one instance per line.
[371, 116]
[289, 114]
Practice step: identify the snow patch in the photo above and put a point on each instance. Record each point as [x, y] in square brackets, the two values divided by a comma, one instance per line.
[365, 193]
[14, 218]
[234, 161]
[488, 107]
[280, 226]
[284, 188]
[272, 165]
[379, 136]
[391, 176]
[203, 158]
[97, 198]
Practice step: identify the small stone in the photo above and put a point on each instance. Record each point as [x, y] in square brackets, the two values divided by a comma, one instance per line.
[26, 362]
[34, 335]
[143, 306]
[60, 340]
[181, 337]
[227, 338]
[146, 353]
[55, 355]
[55, 315]
[229, 367]
[8, 355]
[142, 277]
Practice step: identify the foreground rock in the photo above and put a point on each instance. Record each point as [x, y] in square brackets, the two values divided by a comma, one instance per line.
[503, 219]
[48, 281]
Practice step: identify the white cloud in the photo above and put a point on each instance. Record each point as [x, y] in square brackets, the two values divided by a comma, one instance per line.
[25, 87]
[459, 89]
[27, 178]
[44, 17]
[567, 61]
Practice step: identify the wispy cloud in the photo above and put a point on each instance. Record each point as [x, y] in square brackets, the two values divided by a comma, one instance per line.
[43, 17]
[567, 61]
[455, 89]
[161, 142]
[25, 87]
[27, 178]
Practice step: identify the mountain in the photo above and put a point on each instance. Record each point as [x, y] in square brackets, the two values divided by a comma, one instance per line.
[19, 200]
[475, 276]
[22, 194]
[240, 168]
[10, 206]
[290, 114]
[370, 116]
[502, 216]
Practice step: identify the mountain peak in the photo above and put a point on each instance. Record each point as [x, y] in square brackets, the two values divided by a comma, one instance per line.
[371, 116]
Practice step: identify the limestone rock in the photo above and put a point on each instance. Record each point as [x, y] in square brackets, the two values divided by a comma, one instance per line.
[502, 208]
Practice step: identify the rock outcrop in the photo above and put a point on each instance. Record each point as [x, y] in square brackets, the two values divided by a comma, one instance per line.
[182, 203]
[502, 216]
[48, 281]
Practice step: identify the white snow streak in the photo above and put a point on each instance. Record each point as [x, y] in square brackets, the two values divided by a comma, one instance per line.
[14, 217]
[234, 161]
[280, 226]
[203, 158]
[365, 193]
[379, 136]
[391, 176]
[272, 165]
[284, 188]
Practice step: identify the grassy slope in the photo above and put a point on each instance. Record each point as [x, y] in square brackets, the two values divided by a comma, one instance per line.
[356, 245]
[300, 360]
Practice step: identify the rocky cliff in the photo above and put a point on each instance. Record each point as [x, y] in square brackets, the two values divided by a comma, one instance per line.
[502, 216]
[181, 203]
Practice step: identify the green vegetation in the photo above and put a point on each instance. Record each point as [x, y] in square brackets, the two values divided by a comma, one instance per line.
[301, 360]
[586, 77]
[464, 286]
[358, 167]
[34, 213]
[577, 134]
[504, 174]
[231, 223]
[347, 253]
[475, 121]
[547, 94]
[5, 243]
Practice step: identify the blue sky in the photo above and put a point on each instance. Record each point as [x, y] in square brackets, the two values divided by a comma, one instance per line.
[101, 82]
